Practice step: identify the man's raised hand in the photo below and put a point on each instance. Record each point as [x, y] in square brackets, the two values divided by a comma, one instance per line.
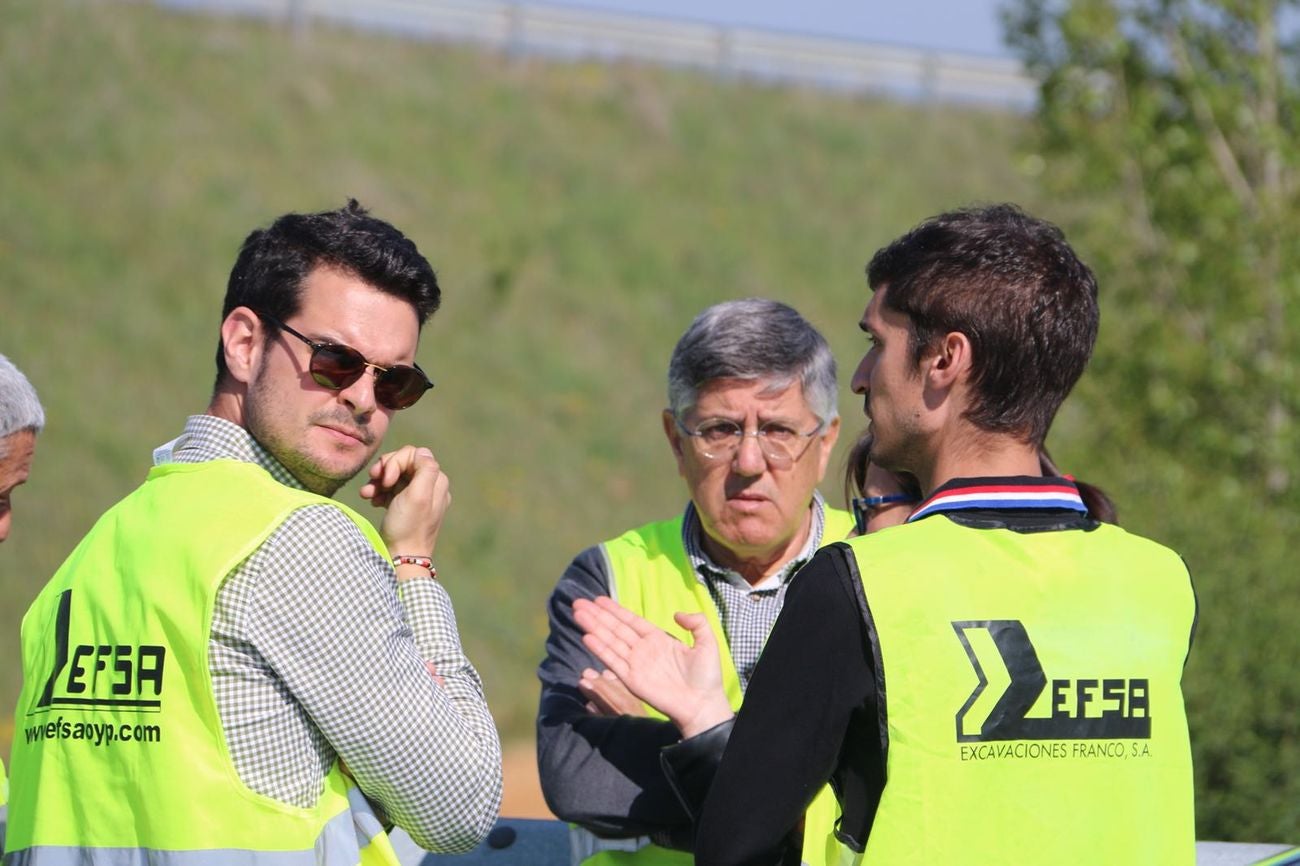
[682, 682]
[411, 485]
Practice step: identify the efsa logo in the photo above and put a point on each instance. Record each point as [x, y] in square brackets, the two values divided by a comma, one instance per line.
[100, 676]
[1081, 709]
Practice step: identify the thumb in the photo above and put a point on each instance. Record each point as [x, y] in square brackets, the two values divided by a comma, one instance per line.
[698, 625]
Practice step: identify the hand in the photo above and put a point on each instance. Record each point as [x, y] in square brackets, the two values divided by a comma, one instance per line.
[607, 696]
[410, 484]
[682, 682]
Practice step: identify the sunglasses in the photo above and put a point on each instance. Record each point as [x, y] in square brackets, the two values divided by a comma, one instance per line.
[336, 366]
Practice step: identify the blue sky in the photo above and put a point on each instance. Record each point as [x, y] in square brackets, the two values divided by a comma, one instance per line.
[955, 25]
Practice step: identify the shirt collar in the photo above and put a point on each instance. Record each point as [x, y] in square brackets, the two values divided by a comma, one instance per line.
[706, 569]
[1019, 493]
[207, 437]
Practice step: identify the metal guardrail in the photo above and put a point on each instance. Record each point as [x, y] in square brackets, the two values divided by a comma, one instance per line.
[576, 33]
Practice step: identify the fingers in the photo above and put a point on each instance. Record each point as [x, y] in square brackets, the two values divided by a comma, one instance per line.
[589, 686]
[637, 625]
[608, 695]
[698, 625]
[610, 657]
[402, 462]
[394, 471]
[601, 620]
[411, 485]
[612, 653]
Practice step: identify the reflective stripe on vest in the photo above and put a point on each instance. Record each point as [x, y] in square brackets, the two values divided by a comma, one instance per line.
[336, 846]
[120, 755]
[651, 575]
[1029, 691]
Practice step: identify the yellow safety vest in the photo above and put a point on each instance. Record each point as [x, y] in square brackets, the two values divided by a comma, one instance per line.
[119, 756]
[1031, 688]
[651, 576]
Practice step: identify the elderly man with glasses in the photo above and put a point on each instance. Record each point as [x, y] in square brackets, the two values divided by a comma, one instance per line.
[234, 667]
[751, 423]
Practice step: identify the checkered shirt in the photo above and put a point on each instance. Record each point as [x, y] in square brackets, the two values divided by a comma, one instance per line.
[747, 613]
[317, 651]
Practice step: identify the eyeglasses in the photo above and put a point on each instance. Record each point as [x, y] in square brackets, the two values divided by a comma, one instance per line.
[336, 366]
[720, 439]
[865, 506]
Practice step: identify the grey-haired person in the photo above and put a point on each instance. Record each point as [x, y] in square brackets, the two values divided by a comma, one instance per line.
[750, 424]
[21, 419]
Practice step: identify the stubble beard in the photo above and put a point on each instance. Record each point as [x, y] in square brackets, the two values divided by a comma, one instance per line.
[260, 408]
[899, 451]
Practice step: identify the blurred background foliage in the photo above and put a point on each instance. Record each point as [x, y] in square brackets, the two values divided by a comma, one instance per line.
[1167, 130]
[580, 214]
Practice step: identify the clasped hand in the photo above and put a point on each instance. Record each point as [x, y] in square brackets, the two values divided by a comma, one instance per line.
[412, 487]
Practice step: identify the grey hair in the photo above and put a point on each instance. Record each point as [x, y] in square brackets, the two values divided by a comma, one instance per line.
[753, 339]
[20, 409]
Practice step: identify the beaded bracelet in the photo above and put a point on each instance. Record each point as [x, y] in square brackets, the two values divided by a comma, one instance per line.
[422, 561]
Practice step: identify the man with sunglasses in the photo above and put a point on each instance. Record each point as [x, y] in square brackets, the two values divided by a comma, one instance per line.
[234, 667]
[751, 422]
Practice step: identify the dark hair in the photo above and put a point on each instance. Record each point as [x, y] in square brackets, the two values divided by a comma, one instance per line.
[1015, 288]
[274, 261]
[1100, 506]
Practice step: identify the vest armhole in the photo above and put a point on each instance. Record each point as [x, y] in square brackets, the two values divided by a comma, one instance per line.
[1196, 611]
[611, 585]
[873, 640]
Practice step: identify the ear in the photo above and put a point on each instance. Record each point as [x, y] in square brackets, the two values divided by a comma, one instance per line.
[674, 439]
[242, 339]
[827, 445]
[950, 363]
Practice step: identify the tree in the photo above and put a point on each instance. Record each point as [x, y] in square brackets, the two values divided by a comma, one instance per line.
[1185, 113]
[1167, 136]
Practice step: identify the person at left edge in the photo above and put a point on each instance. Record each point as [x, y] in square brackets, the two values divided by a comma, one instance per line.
[229, 668]
[21, 419]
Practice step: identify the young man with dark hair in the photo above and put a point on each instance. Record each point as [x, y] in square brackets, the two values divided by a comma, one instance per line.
[999, 679]
[233, 667]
